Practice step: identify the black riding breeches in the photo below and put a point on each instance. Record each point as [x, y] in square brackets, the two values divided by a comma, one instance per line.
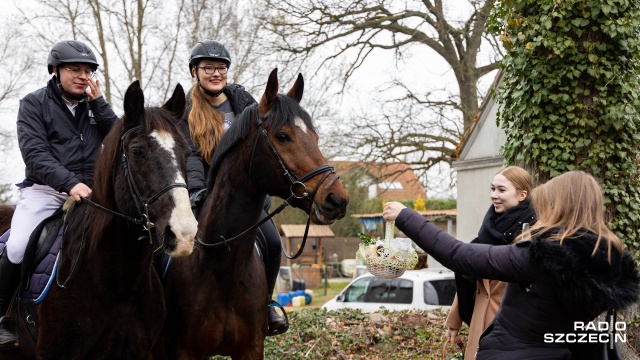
[272, 251]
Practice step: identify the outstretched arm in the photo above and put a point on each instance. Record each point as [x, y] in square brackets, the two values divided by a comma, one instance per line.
[510, 263]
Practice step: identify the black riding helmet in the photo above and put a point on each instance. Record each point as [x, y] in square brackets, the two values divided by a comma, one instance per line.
[208, 49]
[212, 50]
[71, 51]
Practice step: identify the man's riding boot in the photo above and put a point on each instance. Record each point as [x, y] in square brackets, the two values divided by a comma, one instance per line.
[9, 277]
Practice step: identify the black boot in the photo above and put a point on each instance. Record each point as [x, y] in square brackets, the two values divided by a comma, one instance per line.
[272, 253]
[9, 277]
[277, 324]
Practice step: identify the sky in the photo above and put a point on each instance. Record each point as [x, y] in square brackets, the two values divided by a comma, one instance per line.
[421, 68]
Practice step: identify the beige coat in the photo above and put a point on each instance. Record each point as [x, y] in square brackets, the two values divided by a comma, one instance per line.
[488, 298]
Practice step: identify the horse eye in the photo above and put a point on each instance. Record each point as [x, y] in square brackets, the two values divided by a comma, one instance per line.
[283, 138]
[137, 153]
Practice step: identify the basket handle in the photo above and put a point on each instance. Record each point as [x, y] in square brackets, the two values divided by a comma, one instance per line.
[460, 345]
[389, 230]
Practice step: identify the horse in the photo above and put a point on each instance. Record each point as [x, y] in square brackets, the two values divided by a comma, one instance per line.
[6, 212]
[217, 298]
[107, 301]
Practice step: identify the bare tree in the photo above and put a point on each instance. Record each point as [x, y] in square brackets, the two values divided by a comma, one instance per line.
[235, 25]
[432, 121]
[135, 39]
[16, 66]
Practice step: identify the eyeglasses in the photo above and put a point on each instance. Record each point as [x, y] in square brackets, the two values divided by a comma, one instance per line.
[210, 70]
[77, 72]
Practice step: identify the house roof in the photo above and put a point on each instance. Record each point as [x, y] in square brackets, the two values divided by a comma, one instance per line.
[385, 174]
[480, 116]
[294, 231]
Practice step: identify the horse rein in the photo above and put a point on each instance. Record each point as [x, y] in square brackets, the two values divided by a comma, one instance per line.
[294, 182]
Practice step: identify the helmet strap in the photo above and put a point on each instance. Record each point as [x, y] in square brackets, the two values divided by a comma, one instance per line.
[65, 93]
[209, 92]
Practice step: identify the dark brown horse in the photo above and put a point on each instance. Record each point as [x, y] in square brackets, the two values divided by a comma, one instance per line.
[6, 212]
[217, 298]
[106, 302]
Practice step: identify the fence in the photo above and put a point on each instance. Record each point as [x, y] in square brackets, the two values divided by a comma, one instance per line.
[343, 247]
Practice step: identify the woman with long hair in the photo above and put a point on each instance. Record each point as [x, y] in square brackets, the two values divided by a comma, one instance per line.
[573, 268]
[213, 104]
[477, 300]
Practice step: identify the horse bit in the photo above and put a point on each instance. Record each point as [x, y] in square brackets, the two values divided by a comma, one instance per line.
[295, 183]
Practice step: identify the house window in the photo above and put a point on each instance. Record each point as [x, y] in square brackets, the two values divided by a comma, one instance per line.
[390, 185]
[373, 191]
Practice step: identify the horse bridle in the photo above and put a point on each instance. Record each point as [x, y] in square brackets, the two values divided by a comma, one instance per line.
[294, 184]
[142, 206]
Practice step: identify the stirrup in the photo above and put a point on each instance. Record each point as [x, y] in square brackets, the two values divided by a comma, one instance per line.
[8, 325]
[281, 329]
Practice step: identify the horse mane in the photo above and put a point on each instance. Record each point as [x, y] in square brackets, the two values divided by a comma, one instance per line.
[108, 161]
[284, 111]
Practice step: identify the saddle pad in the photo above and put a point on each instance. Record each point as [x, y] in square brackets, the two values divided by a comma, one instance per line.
[44, 272]
[3, 240]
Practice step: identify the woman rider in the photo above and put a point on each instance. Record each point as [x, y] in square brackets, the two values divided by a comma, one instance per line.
[213, 104]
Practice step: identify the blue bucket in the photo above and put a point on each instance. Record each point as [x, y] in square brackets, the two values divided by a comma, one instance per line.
[300, 293]
[284, 299]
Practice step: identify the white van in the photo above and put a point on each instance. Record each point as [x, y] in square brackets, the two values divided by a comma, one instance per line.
[424, 289]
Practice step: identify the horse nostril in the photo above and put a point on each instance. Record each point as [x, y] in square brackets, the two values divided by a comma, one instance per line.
[169, 242]
[336, 202]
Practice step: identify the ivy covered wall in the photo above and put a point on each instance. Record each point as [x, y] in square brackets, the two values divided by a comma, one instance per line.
[570, 98]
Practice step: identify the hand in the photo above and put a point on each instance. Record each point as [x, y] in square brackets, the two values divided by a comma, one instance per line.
[452, 336]
[391, 210]
[93, 92]
[80, 191]
[197, 197]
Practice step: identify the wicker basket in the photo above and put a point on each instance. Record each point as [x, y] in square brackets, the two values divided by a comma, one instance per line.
[387, 261]
[384, 271]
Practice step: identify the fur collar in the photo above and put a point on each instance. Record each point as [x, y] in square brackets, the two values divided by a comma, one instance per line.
[584, 277]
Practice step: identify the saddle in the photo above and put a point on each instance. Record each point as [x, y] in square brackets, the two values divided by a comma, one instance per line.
[39, 264]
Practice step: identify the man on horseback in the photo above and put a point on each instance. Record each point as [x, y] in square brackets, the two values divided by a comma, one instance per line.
[213, 105]
[60, 131]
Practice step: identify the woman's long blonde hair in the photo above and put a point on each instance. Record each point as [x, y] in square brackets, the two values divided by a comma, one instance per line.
[206, 124]
[572, 202]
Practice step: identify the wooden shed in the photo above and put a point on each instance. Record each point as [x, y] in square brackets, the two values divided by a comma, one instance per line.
[292, 239]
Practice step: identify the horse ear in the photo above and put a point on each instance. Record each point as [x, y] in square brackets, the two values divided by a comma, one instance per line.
[270, 93]
[133, 105]
[177, 103]
[297, 89]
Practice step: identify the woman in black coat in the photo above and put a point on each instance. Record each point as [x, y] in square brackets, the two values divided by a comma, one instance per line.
[213, 105]
[477, 300]
[572, 270]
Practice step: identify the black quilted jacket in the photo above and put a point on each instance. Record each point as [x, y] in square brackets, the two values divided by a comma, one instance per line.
[549, 286]
[59, 150]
